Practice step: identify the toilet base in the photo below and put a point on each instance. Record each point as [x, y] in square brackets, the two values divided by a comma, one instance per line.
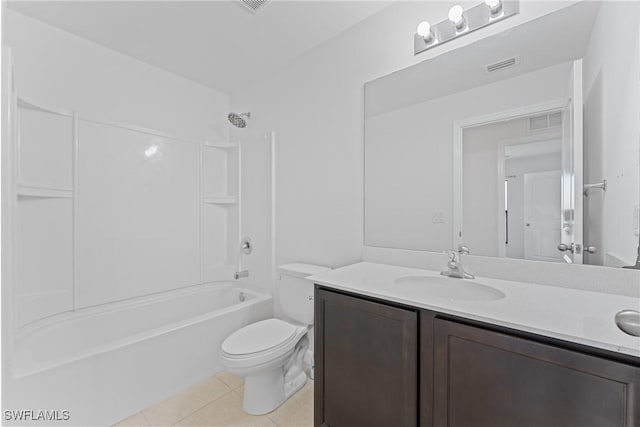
[263, 392]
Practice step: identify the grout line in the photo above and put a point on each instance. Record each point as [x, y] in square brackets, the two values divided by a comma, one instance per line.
[227, 384]
[206, 404]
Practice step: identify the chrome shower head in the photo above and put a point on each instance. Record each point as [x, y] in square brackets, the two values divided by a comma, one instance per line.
[239, 120]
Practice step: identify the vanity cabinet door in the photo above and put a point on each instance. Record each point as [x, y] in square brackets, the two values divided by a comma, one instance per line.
[488, 379]
[366, 363]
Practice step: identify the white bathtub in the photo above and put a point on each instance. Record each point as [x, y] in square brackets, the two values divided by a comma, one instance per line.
[105, 363]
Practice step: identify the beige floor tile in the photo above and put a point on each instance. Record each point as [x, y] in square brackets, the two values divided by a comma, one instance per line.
[301, 417]
[240, 391]
[295, 402]
[177, 407]
[137, 420]
[231, 380]
[225, 412]
[217, 402]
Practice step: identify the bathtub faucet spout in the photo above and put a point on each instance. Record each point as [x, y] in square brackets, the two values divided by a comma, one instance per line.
[243, 273]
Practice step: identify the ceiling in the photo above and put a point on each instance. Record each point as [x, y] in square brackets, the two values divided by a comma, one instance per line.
[219, 44]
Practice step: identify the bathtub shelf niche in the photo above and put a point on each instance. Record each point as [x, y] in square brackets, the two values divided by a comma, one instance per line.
[220, 208]
[42, 199]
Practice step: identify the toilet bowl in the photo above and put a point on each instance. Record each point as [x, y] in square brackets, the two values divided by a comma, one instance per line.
[269, 354]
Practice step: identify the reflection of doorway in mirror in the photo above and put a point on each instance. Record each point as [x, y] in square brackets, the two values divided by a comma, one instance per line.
[512, 174]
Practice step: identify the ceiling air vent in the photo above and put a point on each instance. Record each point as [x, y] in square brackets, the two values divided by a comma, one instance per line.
[253, 5]
[545, 121]
[501, 65]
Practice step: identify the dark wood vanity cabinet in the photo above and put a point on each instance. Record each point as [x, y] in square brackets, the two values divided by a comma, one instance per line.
[488, 379]
[380, 364]
[366, 359]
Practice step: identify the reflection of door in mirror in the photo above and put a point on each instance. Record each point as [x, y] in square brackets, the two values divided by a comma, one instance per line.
[542, 215]
[533, 198]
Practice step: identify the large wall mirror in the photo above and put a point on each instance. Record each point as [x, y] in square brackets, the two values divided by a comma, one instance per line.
[523, 145]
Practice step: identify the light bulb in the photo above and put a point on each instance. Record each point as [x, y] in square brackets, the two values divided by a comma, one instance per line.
[424, 31]
[151, 151]
[455, 16]
[495, 6]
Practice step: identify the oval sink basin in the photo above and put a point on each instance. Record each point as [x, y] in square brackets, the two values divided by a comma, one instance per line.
[450, 288]
[629, 322]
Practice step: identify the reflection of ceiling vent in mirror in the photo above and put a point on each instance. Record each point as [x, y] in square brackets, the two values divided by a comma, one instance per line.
[253, 5]
[501, 65]
[545, 121]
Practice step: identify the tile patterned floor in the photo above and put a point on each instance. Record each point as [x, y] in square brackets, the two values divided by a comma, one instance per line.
[217, 402]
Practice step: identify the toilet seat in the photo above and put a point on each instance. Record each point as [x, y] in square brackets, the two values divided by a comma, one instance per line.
[260, 343]
[258, 337]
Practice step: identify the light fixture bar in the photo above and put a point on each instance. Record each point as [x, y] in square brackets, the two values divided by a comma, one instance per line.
[480, 16]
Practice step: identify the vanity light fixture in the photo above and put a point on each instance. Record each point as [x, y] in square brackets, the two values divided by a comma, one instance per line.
[462, 22]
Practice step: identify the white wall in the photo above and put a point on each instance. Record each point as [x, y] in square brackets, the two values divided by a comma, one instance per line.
[57, 68]
[409, 160]
[316, 106]
[612, 130]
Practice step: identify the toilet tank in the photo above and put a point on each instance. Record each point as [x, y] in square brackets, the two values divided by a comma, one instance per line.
[296, 292]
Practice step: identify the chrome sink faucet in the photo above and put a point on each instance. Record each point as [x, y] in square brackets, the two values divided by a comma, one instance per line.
[455, 264]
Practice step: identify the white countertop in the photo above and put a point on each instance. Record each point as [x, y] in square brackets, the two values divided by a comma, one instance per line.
[577, 316]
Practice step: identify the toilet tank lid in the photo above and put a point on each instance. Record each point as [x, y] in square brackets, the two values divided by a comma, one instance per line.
[298, 269]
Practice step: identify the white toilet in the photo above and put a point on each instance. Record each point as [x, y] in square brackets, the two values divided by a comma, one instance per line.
[269, 354]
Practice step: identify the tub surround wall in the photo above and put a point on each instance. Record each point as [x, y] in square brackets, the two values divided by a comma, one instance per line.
[257, 168]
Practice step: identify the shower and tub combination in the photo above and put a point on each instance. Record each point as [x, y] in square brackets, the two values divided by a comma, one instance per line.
[104, 364]
[123, 244]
